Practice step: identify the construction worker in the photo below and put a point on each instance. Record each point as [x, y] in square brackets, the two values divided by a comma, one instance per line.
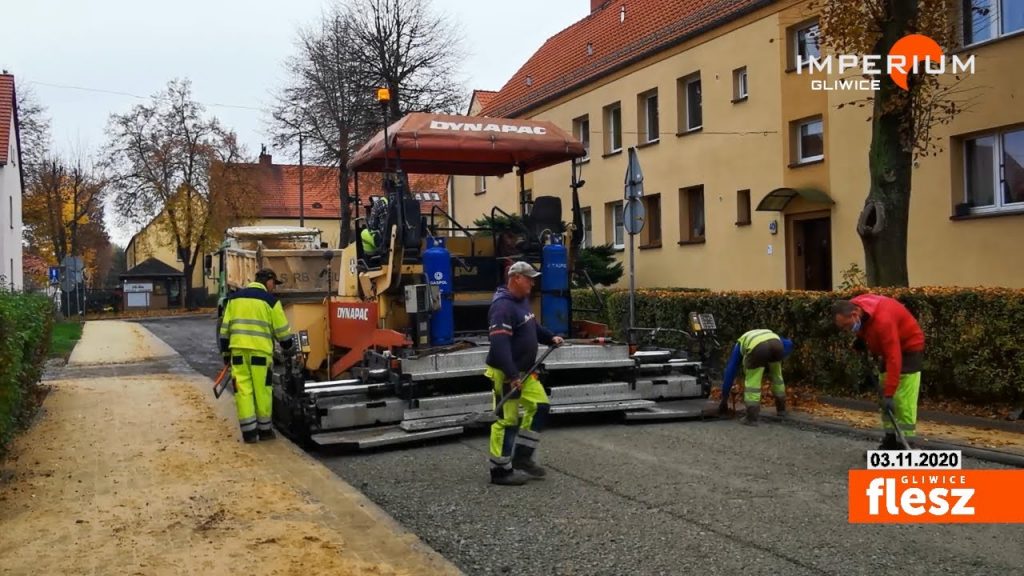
[375, 224]
[514, 335]
[253, 320]
[757, 349]
[889, 332]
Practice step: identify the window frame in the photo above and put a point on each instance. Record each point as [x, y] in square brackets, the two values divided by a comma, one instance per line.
[795, 39]
[741, 84]
[645, 99]
[616, 221]
[695, 79]
[798, 125]
[998, 206]
[613, 128]
[652, 221]
[996, 27]
[578, 125]
[686, 195]
[587, 218]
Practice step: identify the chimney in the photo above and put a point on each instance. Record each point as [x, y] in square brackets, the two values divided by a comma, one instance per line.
[265, 159]
[596, 5]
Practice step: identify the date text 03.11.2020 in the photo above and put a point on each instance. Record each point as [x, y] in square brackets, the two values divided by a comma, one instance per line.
[914, 459]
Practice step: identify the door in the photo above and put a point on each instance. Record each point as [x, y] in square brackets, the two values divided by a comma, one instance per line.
[811, 260]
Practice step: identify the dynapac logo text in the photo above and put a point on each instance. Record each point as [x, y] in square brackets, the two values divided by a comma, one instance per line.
[480, 127]
[354, 314]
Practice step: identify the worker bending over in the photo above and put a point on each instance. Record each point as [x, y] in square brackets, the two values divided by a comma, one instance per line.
[253, 320]
[757, 349]
[890, 332]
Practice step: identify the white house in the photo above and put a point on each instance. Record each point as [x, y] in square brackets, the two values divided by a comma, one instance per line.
[10, 187]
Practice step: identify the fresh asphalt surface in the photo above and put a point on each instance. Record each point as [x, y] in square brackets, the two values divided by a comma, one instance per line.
[672, 498]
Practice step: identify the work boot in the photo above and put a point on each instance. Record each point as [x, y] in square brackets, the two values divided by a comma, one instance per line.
[250, 437]
[530, 468]
[508, 478]
[267, 435]
[780, 407]
[889, 443]
[750, 419]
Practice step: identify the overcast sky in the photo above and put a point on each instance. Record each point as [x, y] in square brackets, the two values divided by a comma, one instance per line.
[232, 50]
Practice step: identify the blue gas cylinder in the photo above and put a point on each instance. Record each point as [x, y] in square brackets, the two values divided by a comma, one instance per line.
[554, 287]
[437, 267]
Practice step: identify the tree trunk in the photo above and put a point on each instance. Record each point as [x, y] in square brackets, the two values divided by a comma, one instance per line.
[346, 210]
[883, 223]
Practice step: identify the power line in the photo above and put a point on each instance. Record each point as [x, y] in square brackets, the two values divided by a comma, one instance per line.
[130, 95]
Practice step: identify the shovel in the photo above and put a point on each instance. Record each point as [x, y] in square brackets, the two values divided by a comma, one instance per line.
[222, 381]
[478, 416]
[899, 433]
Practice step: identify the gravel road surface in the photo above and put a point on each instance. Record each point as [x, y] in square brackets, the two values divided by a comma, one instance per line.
[672, 498]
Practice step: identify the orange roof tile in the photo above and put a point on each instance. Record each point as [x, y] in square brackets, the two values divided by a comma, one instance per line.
[6, 115]
[484, 97]
[609, 38]
[279, 189]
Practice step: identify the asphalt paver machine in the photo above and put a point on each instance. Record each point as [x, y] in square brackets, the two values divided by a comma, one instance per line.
[406, 329]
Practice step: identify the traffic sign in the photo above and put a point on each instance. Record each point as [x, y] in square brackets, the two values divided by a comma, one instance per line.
[54, 274]
[633, 216]
[634, 176]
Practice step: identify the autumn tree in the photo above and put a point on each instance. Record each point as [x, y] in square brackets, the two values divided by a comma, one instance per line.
[63, 209]
[172, 166]
[324, 108]
[902, 119]
[34, 131]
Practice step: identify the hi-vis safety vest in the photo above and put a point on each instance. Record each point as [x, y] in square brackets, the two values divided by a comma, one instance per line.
[253, 319]
[752, 338]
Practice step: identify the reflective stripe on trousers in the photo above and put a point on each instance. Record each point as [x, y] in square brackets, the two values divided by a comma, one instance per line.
[253, 391]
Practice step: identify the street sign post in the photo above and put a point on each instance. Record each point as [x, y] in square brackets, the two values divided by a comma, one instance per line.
[633, 222]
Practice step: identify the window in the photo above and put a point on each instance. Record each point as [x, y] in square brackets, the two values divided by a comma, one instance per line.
[691, 215]
[805, 45]
[647, 106]
[810, 141]
[581, 130]
[481, 185]
[690, 110]
[994, 172]
[650, 236]
[613, 128]
[617, 230]
[987, 19]
[743, 208]
[739, 84]
[588, 232]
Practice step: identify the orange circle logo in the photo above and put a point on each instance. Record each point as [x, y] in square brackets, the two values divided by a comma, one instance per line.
[912, 48]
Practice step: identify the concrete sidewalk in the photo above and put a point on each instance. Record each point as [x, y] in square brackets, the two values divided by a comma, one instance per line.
[135, 468]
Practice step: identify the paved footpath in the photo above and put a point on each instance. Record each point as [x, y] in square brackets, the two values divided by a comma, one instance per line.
[133, 467]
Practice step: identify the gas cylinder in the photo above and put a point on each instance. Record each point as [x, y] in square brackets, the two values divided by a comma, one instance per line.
[554, 286]
[437, 267]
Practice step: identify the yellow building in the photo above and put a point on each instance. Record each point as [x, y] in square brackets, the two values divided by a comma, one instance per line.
[754, 179]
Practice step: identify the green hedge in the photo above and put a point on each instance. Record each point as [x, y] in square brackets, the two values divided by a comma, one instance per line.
[974, 344]
[25, 327]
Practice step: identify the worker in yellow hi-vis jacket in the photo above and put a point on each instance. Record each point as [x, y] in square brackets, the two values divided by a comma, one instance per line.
[253, 320]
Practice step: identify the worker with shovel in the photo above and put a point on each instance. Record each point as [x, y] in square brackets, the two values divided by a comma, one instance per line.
[514, 334]
[757, 350]
[253, 320]
[889, 331]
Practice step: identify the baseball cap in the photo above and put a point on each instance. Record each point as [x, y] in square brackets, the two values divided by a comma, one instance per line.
[267, 274]
[524, 269]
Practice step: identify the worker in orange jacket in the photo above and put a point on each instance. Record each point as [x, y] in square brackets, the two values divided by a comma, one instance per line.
[889, 331]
